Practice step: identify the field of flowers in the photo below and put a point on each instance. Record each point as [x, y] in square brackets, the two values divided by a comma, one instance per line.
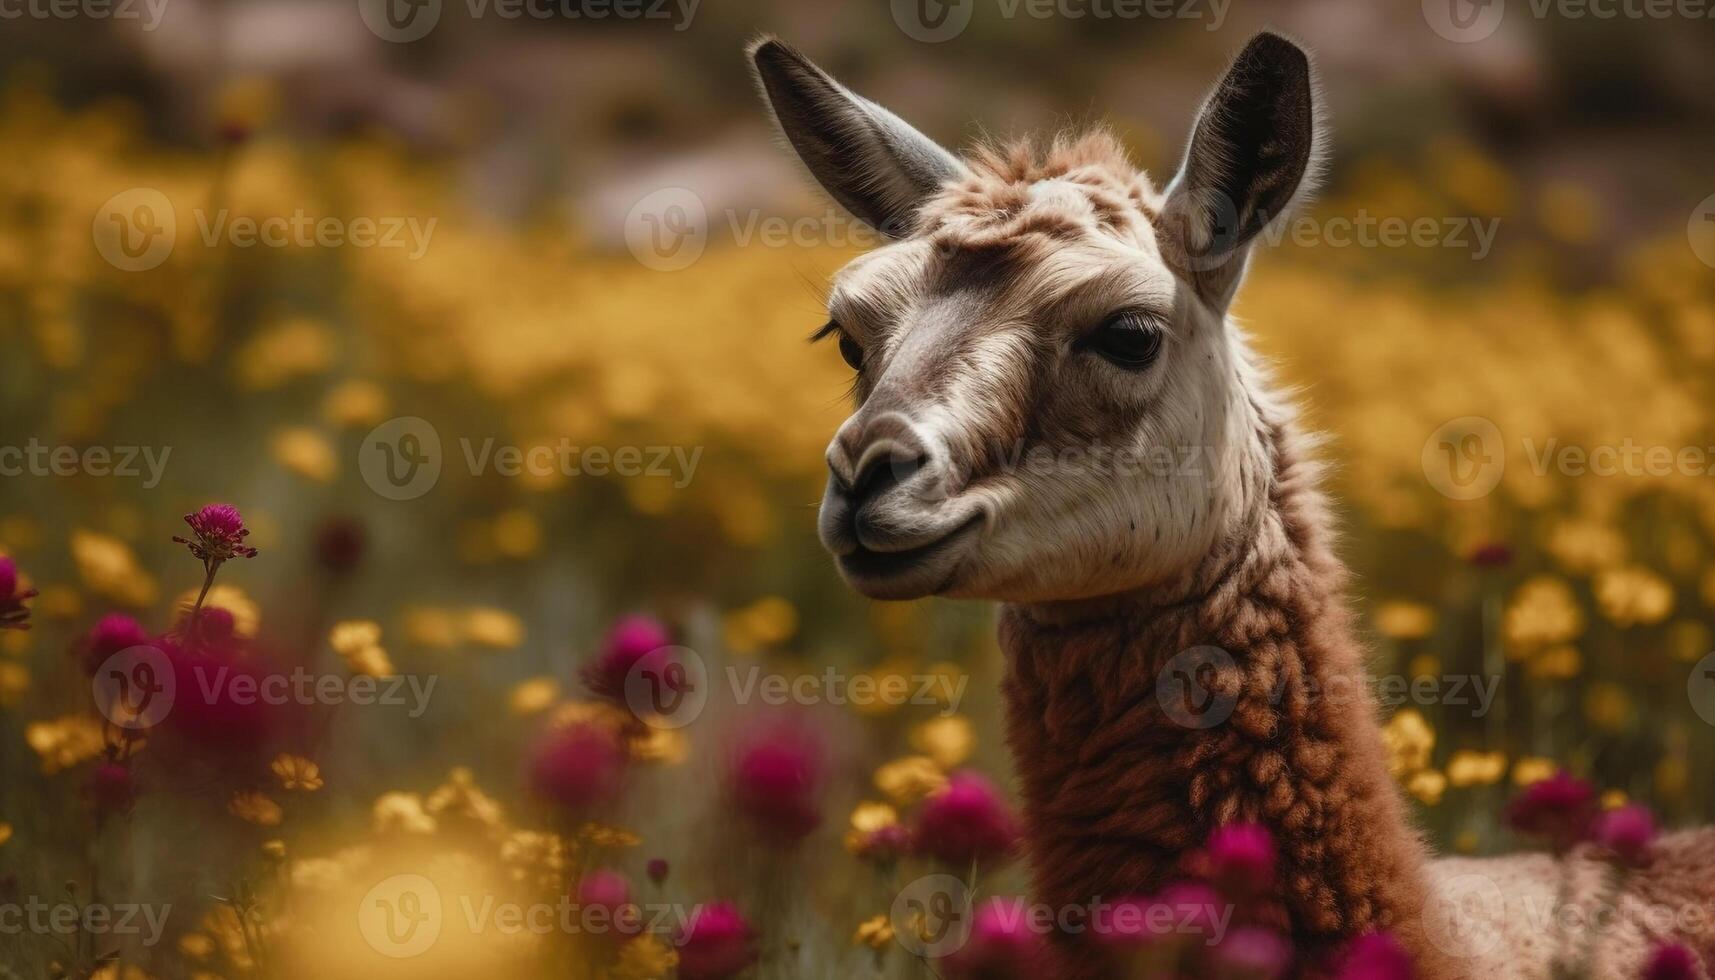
[464, 748]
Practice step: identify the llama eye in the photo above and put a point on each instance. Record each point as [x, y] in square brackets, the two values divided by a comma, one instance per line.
[1127, 340]
[853, 353]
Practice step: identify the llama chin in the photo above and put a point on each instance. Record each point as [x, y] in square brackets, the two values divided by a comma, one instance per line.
[1035, 302]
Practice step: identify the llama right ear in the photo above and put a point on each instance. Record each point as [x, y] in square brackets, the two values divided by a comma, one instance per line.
[872, 162]
[1251, 153]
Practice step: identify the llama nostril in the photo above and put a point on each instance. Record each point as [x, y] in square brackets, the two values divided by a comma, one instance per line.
[881, 471]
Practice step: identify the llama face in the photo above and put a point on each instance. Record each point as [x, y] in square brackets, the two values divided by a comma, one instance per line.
[1049, 401]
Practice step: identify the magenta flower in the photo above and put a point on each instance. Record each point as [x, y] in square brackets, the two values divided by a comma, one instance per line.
[1628, 831]
[883, 845]
[1001, 946]
[1241, 859]
[716, 943]
[605, 895]
[775, 781]
[13, 613]
[577, 766]
[966, 821]
[219, 534]
[113, 634]
[112, 789]
[1671, 962]
[1253, 954]
[218, 706]
[1197, 909]
[657, 870]
[1558, 810]
[1377, 956]
[633, 643]
[1494, 554]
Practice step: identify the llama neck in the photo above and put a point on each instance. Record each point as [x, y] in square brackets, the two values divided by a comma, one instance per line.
[1141, 724]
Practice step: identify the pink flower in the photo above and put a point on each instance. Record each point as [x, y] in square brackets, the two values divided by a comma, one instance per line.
[1671, 962]
[884, 845]
[112, 789]
[1628, 832]
[1377, 956]
[605, 896]
[775, 779]
[1241, 859]
[657, 870]
[1002, 945]
[633, 643]
[716, 943]
[114, 633]
[1494, 554]
[13, 614]
[577, 766]
[218, 704]
[1197, 909]
[966, 821]
[1558, 809]
[220, 534]
[1253, 954]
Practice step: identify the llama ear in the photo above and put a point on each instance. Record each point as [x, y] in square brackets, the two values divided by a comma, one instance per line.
[872, 162]
[1256, 141]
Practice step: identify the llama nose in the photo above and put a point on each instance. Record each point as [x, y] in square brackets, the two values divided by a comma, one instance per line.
[868, 460]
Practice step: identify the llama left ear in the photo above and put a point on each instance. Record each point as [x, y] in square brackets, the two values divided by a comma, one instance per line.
[1255, 143]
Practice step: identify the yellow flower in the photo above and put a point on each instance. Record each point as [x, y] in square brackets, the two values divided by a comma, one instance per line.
[1614, 799]
[460, 796]
[767, 622]
[280, 353]
[297, 772]
[1583, 546]
[1556, 663]
[401, 813]
[1533, 769]
[252, 807]
[14, 682]
[1542, 612]
[355, 403]
[875, 932]
[1467, 768]
[109, 568]
[646, 958]
[1427, 785]
[1409, 741]
[871, 815]
[358, 643]
[431, 627]
[947, 739]
[305, 452]
[1633, 596]
[196, 946]
[65, 741]
[5, 833]
[517, 534]
[274, 849]
[246, 614]
[1608, 706]
[1401, 620]
[495, 628]
[664, 745]
[533, 696]
[909, 779]
[1688, 640]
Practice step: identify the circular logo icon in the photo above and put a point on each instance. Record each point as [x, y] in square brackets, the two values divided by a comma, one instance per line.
[400, 21]
[668, 687]
[1190, 688]
[668, 229]
[1464, 458]
[1700, 687]
[1701, 231]
[1464, 21]
[1465, 916]
[932, 21]
[135, 687]
[400, 459]
[135, 230]
[931, 916]
[401, 916]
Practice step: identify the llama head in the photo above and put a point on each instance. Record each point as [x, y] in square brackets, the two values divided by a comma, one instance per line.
[1050, 400]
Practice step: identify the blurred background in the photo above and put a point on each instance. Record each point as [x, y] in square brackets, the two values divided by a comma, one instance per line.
[248, 245]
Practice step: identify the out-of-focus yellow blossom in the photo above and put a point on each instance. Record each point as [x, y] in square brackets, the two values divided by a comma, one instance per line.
[1409, 742]
[1533, 769]
[461, 797]
[533, 695]
[274, 849]
[223, 924]
[909, 779]
[296, 772]
[1424, 665]
[875, 932]
[253, 807]
[431, 627]
[1427, 785]
[1569, 212]
[1672, 777]
[497, 629]
[318, 874]
[1608, 706]
[647, 957]
[947, 739]
[893, 682]
[5, 833]
[534, 855]
[1689, 640]
[65, 741]
[281, 353]
[1402, 620]
[355, 403]
[1556, 663]
[1614, 799]
[358, 643]
[59, 602]
[1542, 612]
[108, 567]
[248, 103]
[14, 682]
[399, 812]
[1469, 768]
[517, 534]
[1633, 596]
[116, 971]
[767, 622]
[606, 714]
[1465, 843]
[607, 836]
[1585, 546]
[305, 452]
[868, 817]
[196, 946]
[246, 614]
[667, 746]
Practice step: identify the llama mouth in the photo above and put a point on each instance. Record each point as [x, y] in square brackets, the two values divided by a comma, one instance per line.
[914, 572]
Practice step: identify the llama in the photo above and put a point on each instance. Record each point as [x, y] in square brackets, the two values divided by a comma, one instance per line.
[1047, 304]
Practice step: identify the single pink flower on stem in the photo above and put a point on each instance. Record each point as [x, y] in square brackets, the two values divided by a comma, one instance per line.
[1558, 810]
[604, 895]
[1250, 953]
[776, 778]
[633, 643]
[1376, 956]
[1628, 831]
[219, 534]
[1002, 944]
[577, 766]
[1241, 859]
[717, 943]
[114, 633]
[966, 821]
[14, 615]
[1671, 962]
